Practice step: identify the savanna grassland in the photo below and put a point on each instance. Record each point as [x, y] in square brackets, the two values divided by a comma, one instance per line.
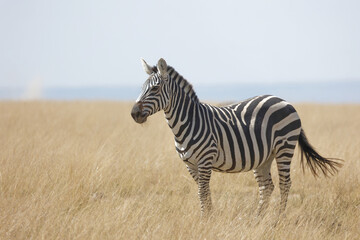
[86, 170]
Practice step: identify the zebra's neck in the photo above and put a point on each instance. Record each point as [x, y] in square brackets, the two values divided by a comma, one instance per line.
[183, 104]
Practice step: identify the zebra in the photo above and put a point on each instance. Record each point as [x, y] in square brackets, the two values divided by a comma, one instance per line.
[236, 138]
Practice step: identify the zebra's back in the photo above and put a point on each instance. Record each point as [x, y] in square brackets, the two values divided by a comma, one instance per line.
[249, 132]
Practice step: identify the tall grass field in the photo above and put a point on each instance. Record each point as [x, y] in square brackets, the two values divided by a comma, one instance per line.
[86, 170]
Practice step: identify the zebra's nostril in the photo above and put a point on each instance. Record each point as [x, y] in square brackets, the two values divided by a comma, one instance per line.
[135, 114]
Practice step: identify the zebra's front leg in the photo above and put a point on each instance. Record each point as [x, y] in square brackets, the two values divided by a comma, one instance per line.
[194, 173]
[204, 190]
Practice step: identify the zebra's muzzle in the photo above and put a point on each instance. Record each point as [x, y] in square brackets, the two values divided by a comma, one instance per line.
[137, 114]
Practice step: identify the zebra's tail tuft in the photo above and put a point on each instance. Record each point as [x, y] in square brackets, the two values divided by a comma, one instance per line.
[315, 161]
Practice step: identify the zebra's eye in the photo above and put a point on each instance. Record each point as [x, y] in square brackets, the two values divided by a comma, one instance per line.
[155, 88]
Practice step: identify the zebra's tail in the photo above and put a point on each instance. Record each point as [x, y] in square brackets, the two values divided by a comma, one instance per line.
[315, 161]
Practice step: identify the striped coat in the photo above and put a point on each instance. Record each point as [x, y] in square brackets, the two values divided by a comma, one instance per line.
[245, 136]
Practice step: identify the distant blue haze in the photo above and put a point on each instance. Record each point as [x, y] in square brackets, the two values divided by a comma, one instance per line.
[321, 92]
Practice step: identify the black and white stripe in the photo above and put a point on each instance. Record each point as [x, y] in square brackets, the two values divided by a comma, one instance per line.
[245, 136]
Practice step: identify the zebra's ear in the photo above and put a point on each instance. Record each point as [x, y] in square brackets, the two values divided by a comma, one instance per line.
[162, 67]
[147, 68]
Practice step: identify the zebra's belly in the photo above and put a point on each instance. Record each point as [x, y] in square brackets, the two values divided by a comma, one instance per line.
[222, 162]
[225, 162]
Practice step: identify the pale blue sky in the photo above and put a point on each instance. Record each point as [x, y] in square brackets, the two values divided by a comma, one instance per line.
[99, 43]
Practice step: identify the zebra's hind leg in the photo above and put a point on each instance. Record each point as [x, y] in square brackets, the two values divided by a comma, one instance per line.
[266, 186]
[283, 160]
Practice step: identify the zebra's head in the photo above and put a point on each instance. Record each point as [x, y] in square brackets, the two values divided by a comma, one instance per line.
[154, 95]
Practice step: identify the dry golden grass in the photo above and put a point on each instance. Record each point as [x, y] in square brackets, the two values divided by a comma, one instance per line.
[85, 170]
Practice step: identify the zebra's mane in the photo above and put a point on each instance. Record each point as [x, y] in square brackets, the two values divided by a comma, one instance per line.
[182, 83]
